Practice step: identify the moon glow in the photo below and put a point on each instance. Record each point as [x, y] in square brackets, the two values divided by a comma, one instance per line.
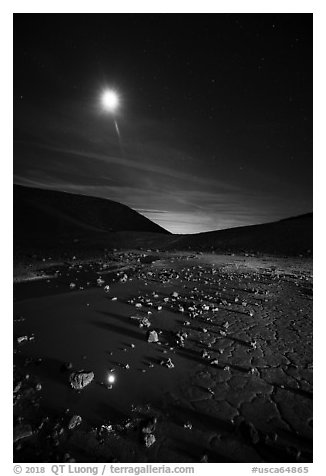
[110, 100]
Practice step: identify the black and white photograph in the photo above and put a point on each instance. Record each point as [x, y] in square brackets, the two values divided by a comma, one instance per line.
[163, 238]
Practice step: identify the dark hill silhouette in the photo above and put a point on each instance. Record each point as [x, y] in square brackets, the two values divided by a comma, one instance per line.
[47, 219]
[52, 213]
[290, 236]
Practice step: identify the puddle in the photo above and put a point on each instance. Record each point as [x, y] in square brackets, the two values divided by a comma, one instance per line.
[91, 331]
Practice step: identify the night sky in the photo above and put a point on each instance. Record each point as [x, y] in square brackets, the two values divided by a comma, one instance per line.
[215, 115]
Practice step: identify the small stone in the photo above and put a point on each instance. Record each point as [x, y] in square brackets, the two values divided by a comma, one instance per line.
[152, 336]
[22, 339]
[107, 288]
[167, 363]
[175, 294]
[81, 379]
[17, 387]
[144, 322]
[38, 387]
[214, 362]
[72, 285]
[254, 371]
[205, 354]
[100, 281]
[149, 440]
[187, 425]
[74, 422]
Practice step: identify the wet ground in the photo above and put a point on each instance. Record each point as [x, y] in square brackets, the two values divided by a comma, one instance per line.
[229, 379]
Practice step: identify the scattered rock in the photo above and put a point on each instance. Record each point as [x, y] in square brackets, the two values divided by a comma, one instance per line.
[74, 422]
[81, 379]
[167, 363]
[253, 344]
[17, 387]
[152, 336]
[254, 371]
[22, 339]
[149, 440]
[144, 322]
[180, 338]
[205, 354]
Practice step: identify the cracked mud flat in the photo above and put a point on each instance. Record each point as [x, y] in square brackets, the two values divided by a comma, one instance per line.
[237, 329]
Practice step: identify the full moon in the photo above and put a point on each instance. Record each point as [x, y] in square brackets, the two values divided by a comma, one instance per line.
[110, 100]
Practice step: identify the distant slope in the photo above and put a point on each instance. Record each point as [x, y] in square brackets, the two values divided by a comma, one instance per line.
[52, 213]
[46, 219]
[291, 236]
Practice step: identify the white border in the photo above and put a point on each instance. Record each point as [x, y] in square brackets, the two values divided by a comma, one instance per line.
[167, 6]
